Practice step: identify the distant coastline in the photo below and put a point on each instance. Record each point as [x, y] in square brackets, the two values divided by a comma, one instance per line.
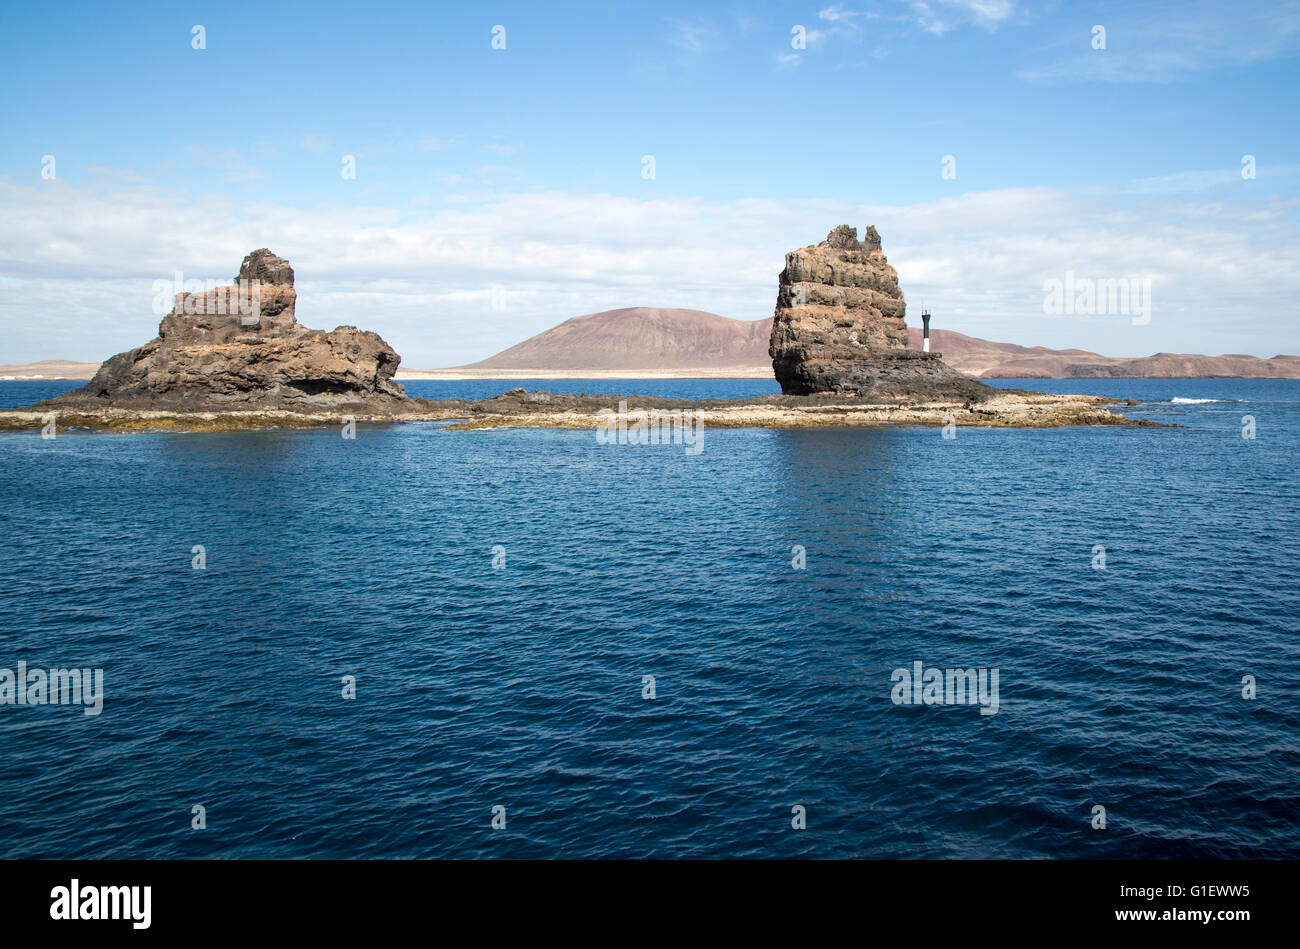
[655, 343]
[48, 370]
[741, 372]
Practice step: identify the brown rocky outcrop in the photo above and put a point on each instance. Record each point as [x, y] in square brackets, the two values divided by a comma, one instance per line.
[242, 347]
[839, 326]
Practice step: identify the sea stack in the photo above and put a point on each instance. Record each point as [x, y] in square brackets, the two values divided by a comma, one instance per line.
[840, 326]
[241, 346]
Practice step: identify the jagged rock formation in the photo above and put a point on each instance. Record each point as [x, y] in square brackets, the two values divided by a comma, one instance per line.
[839, 326]
[242, 347]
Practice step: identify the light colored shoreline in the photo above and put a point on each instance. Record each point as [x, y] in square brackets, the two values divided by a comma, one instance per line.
[750, 372]
[50, 370]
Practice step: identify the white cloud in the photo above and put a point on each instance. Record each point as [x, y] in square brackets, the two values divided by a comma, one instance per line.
[423, 278]
[1222, 180]
[429, 143]
[315, 143]
[942, 16]
[841, 24]
[229, 163]
[1170, 42]
[986, 13]
[837, 14]
[933, 16]
[266, 151]
[691, 35]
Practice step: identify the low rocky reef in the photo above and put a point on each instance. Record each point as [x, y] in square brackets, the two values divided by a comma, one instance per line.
[1001, 408]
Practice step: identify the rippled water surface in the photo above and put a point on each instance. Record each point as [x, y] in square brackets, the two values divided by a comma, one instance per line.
[522, 686]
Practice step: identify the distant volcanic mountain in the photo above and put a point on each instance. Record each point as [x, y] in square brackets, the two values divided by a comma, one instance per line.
[651, 339]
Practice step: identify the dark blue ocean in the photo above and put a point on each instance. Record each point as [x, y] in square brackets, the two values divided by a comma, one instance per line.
[521, 687]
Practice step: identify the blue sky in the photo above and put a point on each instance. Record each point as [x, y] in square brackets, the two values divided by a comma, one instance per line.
[498, 192]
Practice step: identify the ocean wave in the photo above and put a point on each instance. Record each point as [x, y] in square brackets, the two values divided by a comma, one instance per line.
[1181, 401]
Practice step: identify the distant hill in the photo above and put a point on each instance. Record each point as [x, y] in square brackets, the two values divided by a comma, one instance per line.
[50, 369]
[988, 360]
[641, 338]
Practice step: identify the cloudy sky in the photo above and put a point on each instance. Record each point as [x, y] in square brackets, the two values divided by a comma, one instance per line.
[651, 154]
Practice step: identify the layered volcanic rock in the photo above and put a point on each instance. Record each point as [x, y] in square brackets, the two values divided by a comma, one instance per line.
[839, 326]
[242, 347]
